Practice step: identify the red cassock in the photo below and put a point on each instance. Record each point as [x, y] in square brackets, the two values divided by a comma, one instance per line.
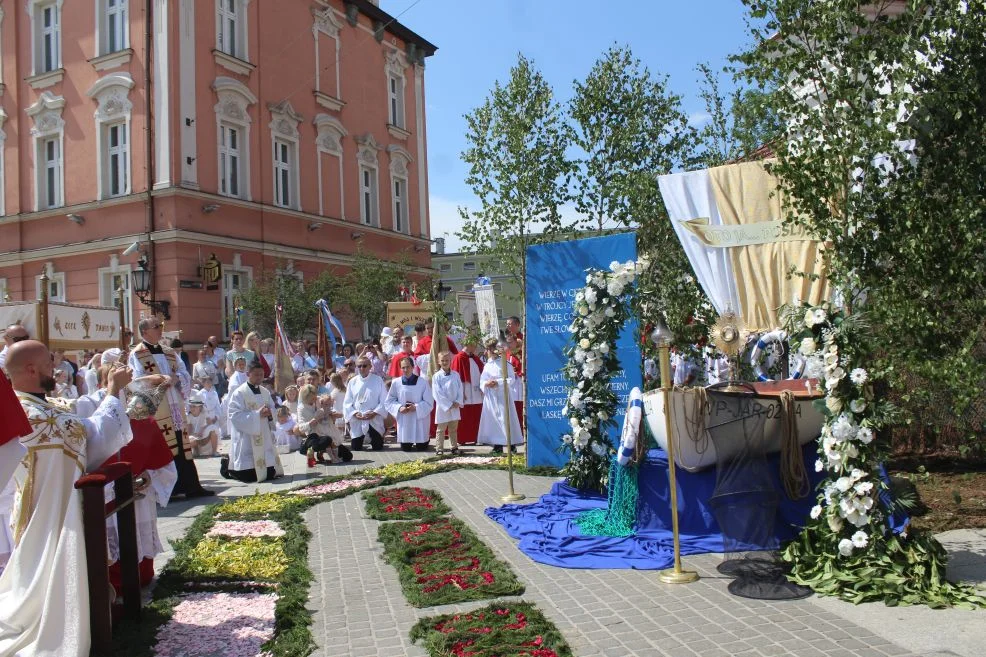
[14, 422]
[424, 346]
[147, 451]
[470, 413]
[518, 372]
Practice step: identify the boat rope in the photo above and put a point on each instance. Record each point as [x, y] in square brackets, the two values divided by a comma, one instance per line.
[794, 477]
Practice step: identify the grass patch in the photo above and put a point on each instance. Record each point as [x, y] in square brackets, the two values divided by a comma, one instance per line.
[517, 628]
[406, 503]
[443, 562]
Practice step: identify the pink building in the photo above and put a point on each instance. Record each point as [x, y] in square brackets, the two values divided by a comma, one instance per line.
[271, 134]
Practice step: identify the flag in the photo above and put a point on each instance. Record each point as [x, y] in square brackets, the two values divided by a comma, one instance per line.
[326, 337]
[283, 353]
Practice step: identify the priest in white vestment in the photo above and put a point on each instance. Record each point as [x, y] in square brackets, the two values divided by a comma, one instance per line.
[493, 422]
[364, 406]
[410, 401]
[253, 448]
[44, 593]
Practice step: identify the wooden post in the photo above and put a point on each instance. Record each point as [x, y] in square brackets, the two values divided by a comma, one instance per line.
[43, 308]
[123, 321]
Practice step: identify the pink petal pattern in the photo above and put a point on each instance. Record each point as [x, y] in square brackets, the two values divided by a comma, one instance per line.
[218, 624]
[242, 528]
[335, 487]
[473, 460]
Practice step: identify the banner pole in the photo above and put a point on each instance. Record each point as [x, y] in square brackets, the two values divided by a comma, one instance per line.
[507, 407]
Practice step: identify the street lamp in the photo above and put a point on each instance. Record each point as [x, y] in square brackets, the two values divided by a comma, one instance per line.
[142, 278]
[662, 336]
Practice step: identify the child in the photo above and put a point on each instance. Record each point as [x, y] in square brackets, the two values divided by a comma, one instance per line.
[285, 437]
[337, 393]
[203, 435]
[63, 388]
[448, 393]
[239, 376]
[210, 398]
[291, 400]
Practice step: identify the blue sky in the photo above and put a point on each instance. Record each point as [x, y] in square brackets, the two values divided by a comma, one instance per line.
[478, 42]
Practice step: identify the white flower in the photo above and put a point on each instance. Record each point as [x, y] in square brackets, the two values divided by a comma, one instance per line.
[865, 435]
[583, 310]
[610, 312]
[835, 374]
[863, 487]
[819, 466]
[808, 346]
[613, 266]
[602, 415]
[857, 405]
[833, 403]
[843, 429]
[835, 522]
[603, 348]
[590, 296]
[815, 510]
[615, 287]
[845, 547]
[584, 343]
[599, 449]
[809, 318]
[843, 484]
[858, 376]
[567, 439]
[860, 539]
[819, 315]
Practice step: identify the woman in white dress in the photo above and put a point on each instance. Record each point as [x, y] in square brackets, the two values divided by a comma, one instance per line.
[493, 422]
[410, 401]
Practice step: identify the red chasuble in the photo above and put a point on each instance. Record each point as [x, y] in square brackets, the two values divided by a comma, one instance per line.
[147, 451]
[424, 346]
[14, 423]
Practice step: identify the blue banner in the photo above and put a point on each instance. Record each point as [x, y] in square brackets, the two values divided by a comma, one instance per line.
[555, 273]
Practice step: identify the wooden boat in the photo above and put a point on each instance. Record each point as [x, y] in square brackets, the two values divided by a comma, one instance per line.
[693, 410]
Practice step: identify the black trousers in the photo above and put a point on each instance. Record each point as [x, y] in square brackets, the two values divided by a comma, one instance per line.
[376, 441]
[188, 476]
[249, 476]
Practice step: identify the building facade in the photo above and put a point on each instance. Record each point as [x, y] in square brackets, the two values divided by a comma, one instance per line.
[272, 135]
[459, 271]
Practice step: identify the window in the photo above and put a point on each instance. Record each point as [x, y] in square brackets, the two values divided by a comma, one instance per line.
[115, 33]
[468, 266]
[117, 160]
[499, 313]
[4, 294]
[445, 267]
[396, 93]
[49, 28]
[112, 279]
[51, 158]
[368, 196]
[56, 285]
[229, 160]
[282, 173]
[400, 205]
[231, 27]
[235, 284]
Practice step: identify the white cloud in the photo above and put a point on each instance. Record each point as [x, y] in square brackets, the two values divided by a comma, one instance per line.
[696, 119]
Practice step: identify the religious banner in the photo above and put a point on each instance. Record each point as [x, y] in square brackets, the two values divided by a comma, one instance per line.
[730, 221]
[466, 302]
[70, 326]
[555, 273]
[24, 313]
[489, 322]
[405, 314]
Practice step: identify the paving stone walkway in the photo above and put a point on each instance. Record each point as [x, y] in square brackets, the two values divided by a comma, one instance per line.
[358, 608]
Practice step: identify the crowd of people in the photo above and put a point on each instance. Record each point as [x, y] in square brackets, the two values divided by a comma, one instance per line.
[154, 408]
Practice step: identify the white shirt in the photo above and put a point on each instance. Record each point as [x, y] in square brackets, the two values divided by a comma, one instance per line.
[362, 395]
[447, 390]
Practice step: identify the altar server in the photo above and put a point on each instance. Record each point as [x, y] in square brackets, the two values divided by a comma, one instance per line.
[410, 401]
[253, 450]
[203, 432]
[493, 422]
[44, 585]
[364, 406]
[446, 388]
[469, 368]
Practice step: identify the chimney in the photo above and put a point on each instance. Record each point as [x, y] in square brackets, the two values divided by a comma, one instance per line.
[439, 246]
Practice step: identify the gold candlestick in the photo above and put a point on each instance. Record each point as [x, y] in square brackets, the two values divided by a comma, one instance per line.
[507, 403]
[676, 575]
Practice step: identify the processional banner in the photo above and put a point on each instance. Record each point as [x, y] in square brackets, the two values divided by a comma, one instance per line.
[730, 221]
[489, 322]
[555, 273]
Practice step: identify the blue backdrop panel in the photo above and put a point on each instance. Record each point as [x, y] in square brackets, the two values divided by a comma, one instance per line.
[555, 273]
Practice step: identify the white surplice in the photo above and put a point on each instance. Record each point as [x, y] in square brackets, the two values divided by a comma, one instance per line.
[252, 436]
[364, 395]
[492, 423]
[412, 427]
[44, 593]
[447, 390]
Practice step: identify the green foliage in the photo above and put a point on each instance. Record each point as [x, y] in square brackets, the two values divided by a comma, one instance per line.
[627, 128]
[516, 158]
[882, 154]
[370, 282]
[296, 296]
[517, 628]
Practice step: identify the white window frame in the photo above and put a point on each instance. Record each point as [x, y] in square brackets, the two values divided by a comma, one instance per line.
[3, 290]
[228, 295]
[325, 22]
[329, 141]
[120, 32]
[285, 166]
[368, 181]
[54, 278]
[469, 266]
[107, 293]
[230, 160]
[39, 53]
[3, 167]
[400, 214]
[48, 126]
[238, 16]
[444, 267]
[114, 110]
[232, 112]
[118, 158]
[396, 80]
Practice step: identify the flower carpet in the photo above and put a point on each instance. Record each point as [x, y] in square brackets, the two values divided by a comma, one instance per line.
[495, 630]
[238, 583]
[443, 562]
[408, 503]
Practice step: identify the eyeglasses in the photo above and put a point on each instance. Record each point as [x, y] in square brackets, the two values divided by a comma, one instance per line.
[153, 326]
[363, 366]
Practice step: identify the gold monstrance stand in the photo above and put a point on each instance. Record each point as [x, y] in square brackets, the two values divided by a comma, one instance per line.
[727, 334]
